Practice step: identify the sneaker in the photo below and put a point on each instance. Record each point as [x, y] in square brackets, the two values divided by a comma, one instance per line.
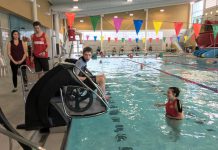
[14, 90]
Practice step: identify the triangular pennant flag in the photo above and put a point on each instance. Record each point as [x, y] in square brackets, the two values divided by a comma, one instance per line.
[116, 39]
[94, 20]
[171, 39]
[157, 40]
[123, 39]
[117, 24]
[108, 39]
[178, 27]
[70, 19]
[143, 40]
[157, 26]
[87, 37]
[130, 40]
[95, 38]
[137, 40]
[164, 39]
[150, 40]
[102, 38]
[215, 30]
[185, 38]
[178, 38]
[138, 25]
[197, 29]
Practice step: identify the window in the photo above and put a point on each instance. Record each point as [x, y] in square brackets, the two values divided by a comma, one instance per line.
[211, 3]
[197, 11]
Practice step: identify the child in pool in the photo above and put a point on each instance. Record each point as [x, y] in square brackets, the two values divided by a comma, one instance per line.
[173, 106]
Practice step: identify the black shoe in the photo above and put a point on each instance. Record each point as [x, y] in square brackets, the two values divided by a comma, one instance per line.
[14, 90]
[21, 126]
[44, 130]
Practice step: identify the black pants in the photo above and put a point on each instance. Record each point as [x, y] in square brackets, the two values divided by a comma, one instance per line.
[14, 69]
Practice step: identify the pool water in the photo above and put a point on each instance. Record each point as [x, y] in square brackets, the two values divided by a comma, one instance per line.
[134, 123]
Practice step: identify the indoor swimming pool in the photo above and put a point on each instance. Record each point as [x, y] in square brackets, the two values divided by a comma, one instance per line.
[134, 123]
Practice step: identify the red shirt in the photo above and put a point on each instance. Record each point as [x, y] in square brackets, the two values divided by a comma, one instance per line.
[39, 45]
[171, 109]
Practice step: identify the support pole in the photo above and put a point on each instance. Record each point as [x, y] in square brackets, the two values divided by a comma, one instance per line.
[146, 29]
[102, 33]
[35, 15]
[57, 28]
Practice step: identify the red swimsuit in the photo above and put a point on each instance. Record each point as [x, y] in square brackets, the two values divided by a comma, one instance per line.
[170, 108]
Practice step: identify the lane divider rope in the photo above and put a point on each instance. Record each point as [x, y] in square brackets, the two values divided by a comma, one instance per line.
[181, 78]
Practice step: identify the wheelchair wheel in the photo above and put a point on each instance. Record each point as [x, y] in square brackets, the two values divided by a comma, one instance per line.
[77, 99]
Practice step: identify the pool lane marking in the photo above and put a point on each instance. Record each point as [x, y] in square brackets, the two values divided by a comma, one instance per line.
[181, 78]
[194, 66]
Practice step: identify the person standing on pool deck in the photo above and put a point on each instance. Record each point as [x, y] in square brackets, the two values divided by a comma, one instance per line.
[17, 53]
[82, 64]
[173, 106]
[40, 46]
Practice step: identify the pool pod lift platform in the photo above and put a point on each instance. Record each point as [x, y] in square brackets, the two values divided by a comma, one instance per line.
[59, 96]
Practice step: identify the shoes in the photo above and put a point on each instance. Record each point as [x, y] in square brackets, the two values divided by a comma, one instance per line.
[14, 90]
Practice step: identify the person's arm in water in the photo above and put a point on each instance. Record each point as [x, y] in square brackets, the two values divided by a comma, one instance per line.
[160, 104]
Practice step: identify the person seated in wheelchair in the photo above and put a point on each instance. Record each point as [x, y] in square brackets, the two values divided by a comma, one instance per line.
[82, 64]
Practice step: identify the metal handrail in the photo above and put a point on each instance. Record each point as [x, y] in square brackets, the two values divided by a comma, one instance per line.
[97, 87]
[21, 139]
[22, 82]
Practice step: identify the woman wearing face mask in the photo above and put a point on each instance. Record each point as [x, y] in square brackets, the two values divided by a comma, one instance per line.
[17, 53]
[173, 106]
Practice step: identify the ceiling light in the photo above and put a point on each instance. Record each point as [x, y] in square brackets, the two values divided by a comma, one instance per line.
[75, 0]
[75, 7]
[81, 21]
[130, 15]
[129, 0]
[162, 10]
[216, 11]
[211, 12]
[38, 5]
[205, 14]
[115, 16]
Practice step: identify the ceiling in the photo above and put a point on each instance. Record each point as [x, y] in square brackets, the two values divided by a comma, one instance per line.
[99, 7]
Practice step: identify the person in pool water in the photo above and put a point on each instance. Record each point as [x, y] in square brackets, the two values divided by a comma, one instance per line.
[173, 106]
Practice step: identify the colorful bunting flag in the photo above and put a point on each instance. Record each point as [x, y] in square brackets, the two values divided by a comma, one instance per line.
[108, 39]
[123, 39]
[143, 40]
[197, 29]
[178, 27]
[171, 39]
[150, 40]
[215, 30]
[178, 38]
[157, 26]
[138, 25]
[116, 39]
[137, 40]
[95, 38]
[164, 39]
[102, 38]
[87, 37]
[94, 20]
[157, 40]
[130, 40]
[117, 23]
[185, 38]
[70, 19]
